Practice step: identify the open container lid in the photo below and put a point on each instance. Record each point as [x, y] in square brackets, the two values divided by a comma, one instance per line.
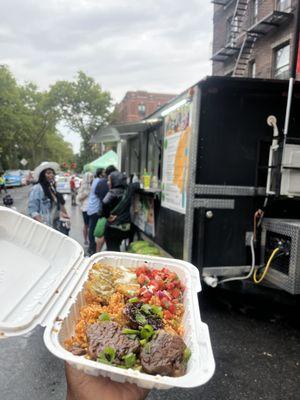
[37, 264]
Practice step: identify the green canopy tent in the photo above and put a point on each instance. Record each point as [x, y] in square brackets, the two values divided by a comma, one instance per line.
[109, 158]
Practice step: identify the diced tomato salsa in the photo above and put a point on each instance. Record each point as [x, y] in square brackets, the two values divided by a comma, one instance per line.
[163, 284]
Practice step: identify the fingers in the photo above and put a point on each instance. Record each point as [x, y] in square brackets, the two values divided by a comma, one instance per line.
[86, 387]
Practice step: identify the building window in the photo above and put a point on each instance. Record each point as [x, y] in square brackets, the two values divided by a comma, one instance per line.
[253, 12]
[252, 69]
[282, 62]
[142, 109]
[283, 5]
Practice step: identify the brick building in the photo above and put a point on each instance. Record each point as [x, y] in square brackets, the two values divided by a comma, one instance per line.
[137, 105]
[253, 38]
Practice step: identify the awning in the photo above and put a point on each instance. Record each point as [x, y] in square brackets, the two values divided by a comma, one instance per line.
[106, 134]
[109, 158]
[114, 133]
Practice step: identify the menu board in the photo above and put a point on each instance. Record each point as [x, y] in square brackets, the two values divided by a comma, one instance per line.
[176, 158]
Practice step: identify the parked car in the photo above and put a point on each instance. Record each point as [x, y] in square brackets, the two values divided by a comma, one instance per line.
[63, 184]
[27, 176]
[13, 178]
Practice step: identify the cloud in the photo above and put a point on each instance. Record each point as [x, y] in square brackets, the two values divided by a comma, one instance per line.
[154, 45]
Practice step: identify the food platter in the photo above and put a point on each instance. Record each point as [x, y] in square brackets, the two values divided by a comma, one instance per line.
[201, 365]
[53, 294]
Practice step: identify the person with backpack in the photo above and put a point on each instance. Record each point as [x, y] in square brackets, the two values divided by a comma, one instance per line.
[99, 190]
[116, 208]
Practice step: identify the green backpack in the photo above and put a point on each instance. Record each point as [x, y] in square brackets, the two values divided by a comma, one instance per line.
[101, 223]
[100, 227]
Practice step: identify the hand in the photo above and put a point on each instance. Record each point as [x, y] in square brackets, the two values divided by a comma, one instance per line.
[112, 218]
[64, 214]
[38, 218]
[87, 387]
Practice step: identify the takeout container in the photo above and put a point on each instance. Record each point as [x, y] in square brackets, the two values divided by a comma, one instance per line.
[42, 274]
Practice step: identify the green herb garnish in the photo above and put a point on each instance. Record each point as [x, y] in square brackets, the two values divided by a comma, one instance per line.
[146, 308]
[157, 310]
[147, 331]
[128, 331]
[130, 360]
[143, 342]
[134, 300]
[132, 336]
[107, 355]
[140, 319]
[147, 348]
[104, 317]
[186, 354]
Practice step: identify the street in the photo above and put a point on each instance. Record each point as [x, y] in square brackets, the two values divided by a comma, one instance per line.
[255, 339]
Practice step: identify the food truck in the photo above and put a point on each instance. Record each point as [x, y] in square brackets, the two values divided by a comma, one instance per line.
[226, 182]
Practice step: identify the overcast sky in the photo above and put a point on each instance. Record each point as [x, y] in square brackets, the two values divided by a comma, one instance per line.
[154, 45]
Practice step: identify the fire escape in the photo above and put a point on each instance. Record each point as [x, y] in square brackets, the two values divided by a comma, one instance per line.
[241, 40]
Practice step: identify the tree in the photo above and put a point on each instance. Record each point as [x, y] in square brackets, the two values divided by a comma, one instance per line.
[10, 118]
[39, 119]
[28, 125]
[58, 149]
[84, 107]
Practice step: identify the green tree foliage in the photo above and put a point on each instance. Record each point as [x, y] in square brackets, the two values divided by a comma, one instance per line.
[11, 130]
[40, 120]
[58, 149]
[28, 122]
[84, 107]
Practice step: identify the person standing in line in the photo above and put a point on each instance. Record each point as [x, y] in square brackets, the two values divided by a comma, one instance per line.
[82, 200]
[101, 191]
[73, 190]
[45, 204]
[116, 208]
[93, 209]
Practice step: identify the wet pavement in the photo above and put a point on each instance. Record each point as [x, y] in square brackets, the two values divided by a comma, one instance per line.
[255, 338]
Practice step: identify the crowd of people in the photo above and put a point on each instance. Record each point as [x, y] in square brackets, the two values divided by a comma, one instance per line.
[104, 199]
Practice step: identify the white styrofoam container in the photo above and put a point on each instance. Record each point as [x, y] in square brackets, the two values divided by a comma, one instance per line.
[42, 274]
[36, 262]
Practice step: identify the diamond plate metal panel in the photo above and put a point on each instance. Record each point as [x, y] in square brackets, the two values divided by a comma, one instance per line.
[214, 203]
[229, 190]
[290, 228]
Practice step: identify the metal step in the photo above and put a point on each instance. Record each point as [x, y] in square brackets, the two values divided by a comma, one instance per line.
[244, 55]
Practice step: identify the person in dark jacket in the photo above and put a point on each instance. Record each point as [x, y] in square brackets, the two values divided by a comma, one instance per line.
[116, 208]
[99, 190]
